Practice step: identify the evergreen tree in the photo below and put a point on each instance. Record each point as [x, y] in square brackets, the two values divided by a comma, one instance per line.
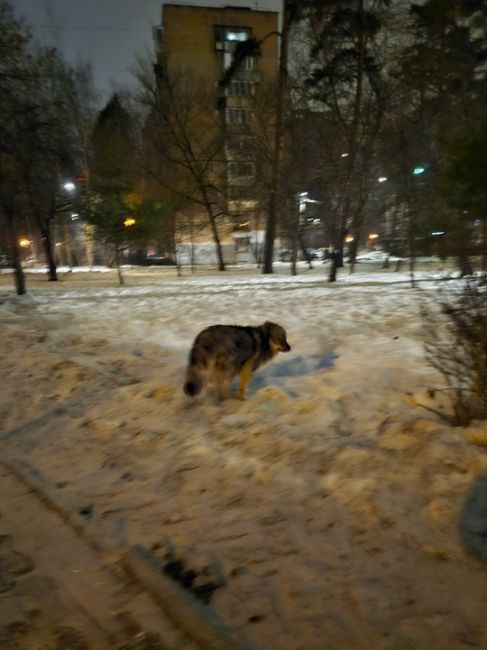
[116, 206]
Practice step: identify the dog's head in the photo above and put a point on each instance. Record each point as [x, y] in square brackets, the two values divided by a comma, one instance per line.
[277, 337]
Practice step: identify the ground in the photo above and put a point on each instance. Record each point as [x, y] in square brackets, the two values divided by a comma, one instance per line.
[329, 510]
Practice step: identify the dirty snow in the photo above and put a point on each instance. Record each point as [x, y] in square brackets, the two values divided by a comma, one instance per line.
[329, 510]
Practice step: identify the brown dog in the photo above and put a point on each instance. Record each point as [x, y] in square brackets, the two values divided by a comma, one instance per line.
[221, 352]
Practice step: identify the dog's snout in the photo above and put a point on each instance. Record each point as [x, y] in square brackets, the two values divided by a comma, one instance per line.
[287, 347]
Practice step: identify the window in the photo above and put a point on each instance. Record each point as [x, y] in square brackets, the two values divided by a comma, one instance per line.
[240, 89]
[241, 145]
[240, 169]
[236, 34]
[227, 39]
[242, 244]
[224, 33]
[238, 115]
[247, 63]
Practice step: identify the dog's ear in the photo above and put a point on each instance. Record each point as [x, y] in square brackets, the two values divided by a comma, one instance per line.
[268, 325]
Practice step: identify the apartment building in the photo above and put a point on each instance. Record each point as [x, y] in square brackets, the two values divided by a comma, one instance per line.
[199, 42]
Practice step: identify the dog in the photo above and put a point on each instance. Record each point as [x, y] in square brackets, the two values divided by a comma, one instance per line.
[221, 352]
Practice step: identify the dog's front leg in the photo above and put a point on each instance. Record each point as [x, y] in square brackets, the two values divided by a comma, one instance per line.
[245, 376]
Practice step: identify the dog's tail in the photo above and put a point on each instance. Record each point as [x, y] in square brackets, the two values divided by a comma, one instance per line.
[195, 372]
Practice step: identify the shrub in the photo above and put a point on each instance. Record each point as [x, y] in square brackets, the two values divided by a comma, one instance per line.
[456, 345]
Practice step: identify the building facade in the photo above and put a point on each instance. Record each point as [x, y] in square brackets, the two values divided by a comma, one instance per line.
[198, 43]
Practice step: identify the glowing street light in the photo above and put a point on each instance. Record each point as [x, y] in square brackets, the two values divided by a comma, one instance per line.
[129, 221]
[382, 179]
[24, 243]
[69, 186]
[373, 235]
[419, 170]
[349, 239]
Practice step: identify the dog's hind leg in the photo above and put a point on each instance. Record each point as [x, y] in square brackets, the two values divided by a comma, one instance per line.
[223, 378]
[224, 392]
[245, 376]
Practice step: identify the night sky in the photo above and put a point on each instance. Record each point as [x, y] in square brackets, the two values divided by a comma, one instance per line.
[107, 33]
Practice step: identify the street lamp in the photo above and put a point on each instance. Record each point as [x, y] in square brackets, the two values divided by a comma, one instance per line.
[69, 186]
[129, 221]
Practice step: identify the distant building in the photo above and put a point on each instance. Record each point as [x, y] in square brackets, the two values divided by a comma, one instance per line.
[198, 42]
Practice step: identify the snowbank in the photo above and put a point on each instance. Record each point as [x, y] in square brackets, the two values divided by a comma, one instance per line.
[330, 508]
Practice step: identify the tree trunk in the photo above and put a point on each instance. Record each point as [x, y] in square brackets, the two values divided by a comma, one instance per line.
[294, 251]
[270, 232]
[19, 275]
[353, 253]
[337, 257]
[50, 256]
[214, 232]
[464, 265]
[412, 261]
[176, 258]
[121, 279]
[89, 242]
[334, 266]
[353, 148]
[218, 246]
[304, 250]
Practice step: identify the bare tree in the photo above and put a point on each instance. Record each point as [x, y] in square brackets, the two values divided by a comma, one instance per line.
[347, 80]
[184, 144]
[38, 144]
[14, 58]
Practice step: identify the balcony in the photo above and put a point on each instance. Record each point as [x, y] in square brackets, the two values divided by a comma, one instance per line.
[248, 75]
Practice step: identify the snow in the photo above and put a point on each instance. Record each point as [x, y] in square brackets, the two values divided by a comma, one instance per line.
[333, 510]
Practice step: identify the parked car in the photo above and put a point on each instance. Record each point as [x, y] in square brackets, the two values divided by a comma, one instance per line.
[285, 255]
[157, 260]
[314, 253]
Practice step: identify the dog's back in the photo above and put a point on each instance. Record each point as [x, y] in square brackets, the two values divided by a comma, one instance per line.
[223, 351]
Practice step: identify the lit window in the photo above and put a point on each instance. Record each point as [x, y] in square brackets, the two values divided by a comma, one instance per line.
[227, 39]
[237, 35]
[225, 33]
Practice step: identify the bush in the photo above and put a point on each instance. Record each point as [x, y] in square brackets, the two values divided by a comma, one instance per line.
[456, 345]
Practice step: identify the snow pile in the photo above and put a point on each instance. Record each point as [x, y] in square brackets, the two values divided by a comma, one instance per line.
[328, 509]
